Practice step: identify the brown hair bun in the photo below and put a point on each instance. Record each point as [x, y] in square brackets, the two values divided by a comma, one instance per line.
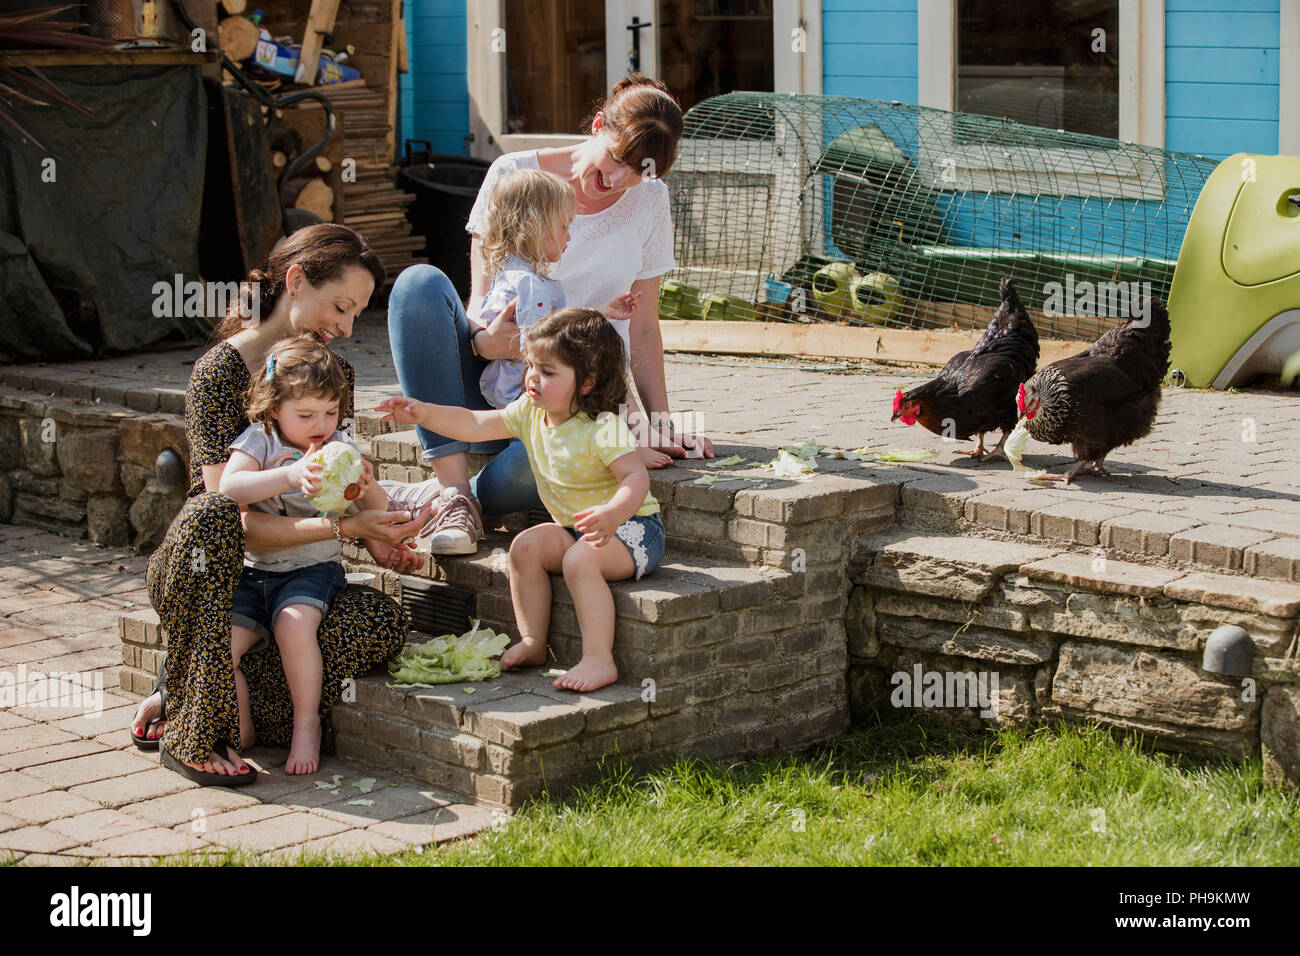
[645, 121]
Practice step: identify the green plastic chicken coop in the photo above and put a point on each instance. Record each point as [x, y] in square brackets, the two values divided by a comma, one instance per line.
[820, 208]
[1235, 301]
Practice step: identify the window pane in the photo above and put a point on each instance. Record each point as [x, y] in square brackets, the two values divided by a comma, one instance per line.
[709, 47]
[555, 64]
[1044, 64]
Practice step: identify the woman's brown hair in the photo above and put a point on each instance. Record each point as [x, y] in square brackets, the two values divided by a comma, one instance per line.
[324, 251]
[295, 367]
[585, 341]
[645, 121]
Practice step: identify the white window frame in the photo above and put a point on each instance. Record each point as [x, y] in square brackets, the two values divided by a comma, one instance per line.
[793, 72]
[1288, 100]
[1141, 114]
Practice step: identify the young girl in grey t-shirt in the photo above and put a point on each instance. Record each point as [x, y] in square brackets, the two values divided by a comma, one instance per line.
[294, 409]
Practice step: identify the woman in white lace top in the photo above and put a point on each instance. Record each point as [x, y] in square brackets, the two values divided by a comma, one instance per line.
[621, 240]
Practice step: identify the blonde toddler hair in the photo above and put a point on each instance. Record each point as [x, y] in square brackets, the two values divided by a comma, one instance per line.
[524, 207]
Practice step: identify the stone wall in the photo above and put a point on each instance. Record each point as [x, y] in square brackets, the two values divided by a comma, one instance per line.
[87, 470]
[1072, 636]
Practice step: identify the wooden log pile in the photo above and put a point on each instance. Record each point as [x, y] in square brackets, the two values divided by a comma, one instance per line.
[375, 207]
[365, 197]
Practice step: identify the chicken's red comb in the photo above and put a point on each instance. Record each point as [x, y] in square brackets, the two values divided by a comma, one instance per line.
[898, 400]
[1020, 399]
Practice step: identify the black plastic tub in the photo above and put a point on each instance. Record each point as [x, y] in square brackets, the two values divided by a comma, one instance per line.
[445, 187]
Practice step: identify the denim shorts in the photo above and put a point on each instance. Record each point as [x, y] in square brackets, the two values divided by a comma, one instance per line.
[261, 595]
[644, 537]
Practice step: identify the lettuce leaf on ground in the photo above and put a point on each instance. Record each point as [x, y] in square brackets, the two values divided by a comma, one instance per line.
[450, 659]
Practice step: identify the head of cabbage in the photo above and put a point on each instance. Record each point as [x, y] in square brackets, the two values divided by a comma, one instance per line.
[341, 466]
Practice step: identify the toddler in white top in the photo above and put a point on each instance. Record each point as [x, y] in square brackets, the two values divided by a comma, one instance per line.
[527, 231]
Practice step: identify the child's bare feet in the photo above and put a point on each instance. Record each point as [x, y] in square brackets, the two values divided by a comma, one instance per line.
[304, 748]
[529, 652]
[652, 458]
[589, 674]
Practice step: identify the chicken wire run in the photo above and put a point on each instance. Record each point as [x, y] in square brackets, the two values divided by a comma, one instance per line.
[818, 208]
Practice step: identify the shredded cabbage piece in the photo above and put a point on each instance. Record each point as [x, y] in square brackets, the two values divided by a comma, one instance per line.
[725, 462]
[450, 659]
[340, 466]
[897, 454]
[786, 465]
[1014, 447]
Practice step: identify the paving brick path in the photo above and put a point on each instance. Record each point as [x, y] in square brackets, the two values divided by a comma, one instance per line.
[72, 785]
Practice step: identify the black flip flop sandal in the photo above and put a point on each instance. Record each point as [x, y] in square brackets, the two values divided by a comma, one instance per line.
[210, 779]
[151, 743]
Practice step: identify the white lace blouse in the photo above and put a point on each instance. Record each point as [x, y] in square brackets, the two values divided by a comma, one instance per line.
[608, 250]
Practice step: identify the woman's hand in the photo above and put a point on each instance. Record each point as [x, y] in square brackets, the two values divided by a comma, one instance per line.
[622, 307]
[500, 340]
[392, 528]
[597, 524]
[399, 558]
[401, 409]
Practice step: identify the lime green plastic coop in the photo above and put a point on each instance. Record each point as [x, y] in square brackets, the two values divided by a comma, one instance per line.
[1234, 305]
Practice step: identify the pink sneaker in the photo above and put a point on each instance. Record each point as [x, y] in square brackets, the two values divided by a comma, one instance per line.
[456, 524]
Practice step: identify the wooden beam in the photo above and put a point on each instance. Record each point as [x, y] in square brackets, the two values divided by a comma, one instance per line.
[390, 138]
[910, 346]
[108, 58]
[319, 22]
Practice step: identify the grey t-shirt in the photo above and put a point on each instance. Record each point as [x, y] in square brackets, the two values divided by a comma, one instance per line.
[271, 452]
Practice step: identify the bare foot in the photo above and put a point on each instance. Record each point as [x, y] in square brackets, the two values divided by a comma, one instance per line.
[304, 749]
[529, 652]
[215, 764]
[589, 674]
[146, 723]
[653, 458]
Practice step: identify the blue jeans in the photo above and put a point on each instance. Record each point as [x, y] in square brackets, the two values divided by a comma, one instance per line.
[429, 336]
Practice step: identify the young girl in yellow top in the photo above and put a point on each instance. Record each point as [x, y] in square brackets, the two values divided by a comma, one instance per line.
[606, 523]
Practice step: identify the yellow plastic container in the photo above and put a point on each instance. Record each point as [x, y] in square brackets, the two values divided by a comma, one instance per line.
[832, 288]
[731, 308]
[1234, 305]
[677, 300]
[876, 298]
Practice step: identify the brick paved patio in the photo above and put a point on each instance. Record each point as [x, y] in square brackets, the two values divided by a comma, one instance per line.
[72, 785]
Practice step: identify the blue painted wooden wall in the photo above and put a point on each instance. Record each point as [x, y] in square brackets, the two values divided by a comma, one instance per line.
[434, 102]
[1236, 43]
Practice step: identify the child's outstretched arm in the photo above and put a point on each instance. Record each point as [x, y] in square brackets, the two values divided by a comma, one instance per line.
[622, 307]
[244, 480]
[462, 424]
[598, 524]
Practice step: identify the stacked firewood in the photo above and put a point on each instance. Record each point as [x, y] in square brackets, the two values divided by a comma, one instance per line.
[376, 208]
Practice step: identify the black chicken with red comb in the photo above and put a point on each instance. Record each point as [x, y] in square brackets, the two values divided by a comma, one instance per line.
[976, 391]
[1104, 397]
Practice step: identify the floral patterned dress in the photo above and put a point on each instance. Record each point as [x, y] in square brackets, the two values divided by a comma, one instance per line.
[192, 578]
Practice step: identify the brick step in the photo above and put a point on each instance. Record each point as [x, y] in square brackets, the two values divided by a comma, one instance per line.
[717, 658]
[1073, 636]
[499, 742]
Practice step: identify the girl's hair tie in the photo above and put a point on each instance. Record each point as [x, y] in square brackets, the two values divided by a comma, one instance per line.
[270, 367]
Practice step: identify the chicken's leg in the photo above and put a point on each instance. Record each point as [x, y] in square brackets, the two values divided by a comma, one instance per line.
[977, 451]
[1097, 468]
[998, 450]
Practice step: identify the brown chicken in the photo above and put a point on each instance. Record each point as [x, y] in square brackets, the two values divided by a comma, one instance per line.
[976, 391]
[1104, 397]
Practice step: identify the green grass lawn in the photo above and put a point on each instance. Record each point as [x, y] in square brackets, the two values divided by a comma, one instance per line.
[906, 792]
[914, 792]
